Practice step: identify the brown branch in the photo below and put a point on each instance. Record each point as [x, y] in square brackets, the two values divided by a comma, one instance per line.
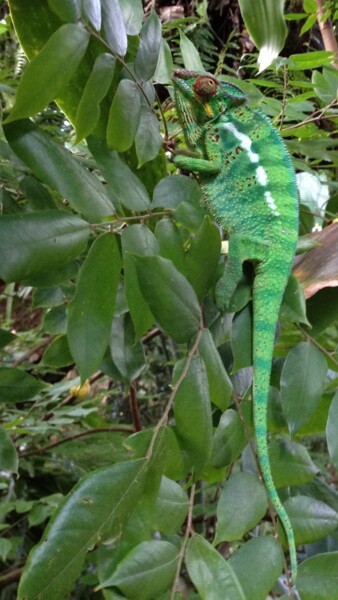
[10, 576]
[326, 29]
[134, 408]
[71, 438]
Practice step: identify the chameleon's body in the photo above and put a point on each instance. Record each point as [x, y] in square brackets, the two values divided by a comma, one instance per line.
[250, 187]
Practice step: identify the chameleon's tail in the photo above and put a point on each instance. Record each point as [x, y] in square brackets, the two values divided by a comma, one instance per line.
[267, 298]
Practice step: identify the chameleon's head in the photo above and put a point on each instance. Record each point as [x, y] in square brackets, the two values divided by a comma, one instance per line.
[203, 97]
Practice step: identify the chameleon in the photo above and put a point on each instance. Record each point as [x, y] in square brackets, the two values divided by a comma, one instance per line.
[249, 185]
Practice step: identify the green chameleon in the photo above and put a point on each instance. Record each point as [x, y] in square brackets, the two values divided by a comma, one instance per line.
[249, 185]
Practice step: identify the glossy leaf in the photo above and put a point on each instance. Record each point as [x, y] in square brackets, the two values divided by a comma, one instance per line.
[164, 66]
[113, 26]
[290, 463]
[148, 140]
[171, 507]
[311, 519]
[147, 571]
[210, 573]
[171, 243]
[317, 577]
[132, 12]
[331, 430]
[302, 383]
[91, 10]
[37, 242]
[56, 166]
[9, 460]
[97, 504]
[241, 338]
[66, 10]
[18, 386]
[96, 88]
[229, 439]
[57, 354]
[140, 240]
[220, 386]
[125, 186]
[149, 48]
[192, 412]
[202, 257]
[49, 72]
[90, 313]
[190, 55]
[124, 116]
[244, 495]
[174, 189]
[169, 295]
[127, 355]
[265, 24]
[259, 560]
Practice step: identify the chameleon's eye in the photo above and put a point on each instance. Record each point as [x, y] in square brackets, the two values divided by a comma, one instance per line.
[205, 86]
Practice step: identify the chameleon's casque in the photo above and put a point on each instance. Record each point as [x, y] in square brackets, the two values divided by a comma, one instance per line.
[250, 187]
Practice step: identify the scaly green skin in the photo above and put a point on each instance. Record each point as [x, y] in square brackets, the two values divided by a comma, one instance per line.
[250, 187]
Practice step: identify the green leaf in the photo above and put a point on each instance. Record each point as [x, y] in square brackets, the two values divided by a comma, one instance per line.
[171, 241]
[210, 573]
[174, 189]
[55, 320]
[113, 26]
[265, 24]
[132, 11]
[220, 386]
[124, 116]
[192, 398]
[49, 72]
[127, 355]
[290, 463]
[91, 10]
[171, 507]
[325, 84]
[9, 460]
[148, 140]
[229, 439]
[57, 354]
[170, 296]
[96, 88]
[97, 505]
[90, 313]
[245, 496]
[37, 242]
[18, 386]
[137, 239]
[311, 519]
[147, 571]
[317, 578]
[164, 66]
[302, 382]
[37, 194]
[202, 257]
[294, 305]
[331, 430]
[310, 60]
[57, 167]
[149, 48]
[190, 55]
[247, 563]
[241, 338]
[66, 10]
[125, 186]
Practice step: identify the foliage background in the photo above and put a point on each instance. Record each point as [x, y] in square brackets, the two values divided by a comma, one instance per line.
[119, 376]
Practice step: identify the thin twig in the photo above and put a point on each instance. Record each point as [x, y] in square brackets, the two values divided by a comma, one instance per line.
[188, 531]
[71, 438]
